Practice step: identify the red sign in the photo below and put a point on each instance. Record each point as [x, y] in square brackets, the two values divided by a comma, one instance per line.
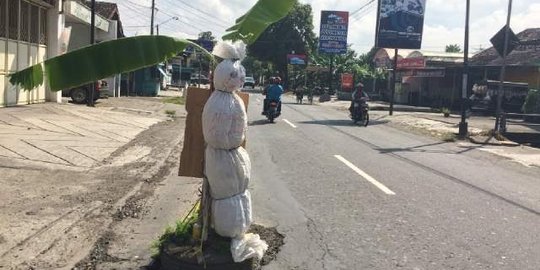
[347, 81]
[411, 63]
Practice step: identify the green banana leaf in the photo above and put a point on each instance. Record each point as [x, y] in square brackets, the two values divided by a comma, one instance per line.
[127, 54]
[252, 24]
[100, 61]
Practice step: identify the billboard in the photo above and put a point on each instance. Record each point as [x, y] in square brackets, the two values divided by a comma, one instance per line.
[401, 24]
[333, 32]
[347, 81]
[296, 59]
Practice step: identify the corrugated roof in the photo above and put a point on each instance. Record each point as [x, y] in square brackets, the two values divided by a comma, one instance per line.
[521, 56]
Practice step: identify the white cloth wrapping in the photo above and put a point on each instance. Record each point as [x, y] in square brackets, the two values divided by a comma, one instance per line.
[224, 120]
[248, 246]
[232, 216]
[228, 171]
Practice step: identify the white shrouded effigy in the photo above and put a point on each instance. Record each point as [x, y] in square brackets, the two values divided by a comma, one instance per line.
[227, 165]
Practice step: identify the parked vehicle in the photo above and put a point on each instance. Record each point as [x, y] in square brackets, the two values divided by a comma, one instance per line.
[196, 79]
[360, 111]
[310, 97]
[80, 94]
[272, 112]
[249, 82]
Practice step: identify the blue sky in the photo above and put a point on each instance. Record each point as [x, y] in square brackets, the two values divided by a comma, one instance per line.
[444, 20]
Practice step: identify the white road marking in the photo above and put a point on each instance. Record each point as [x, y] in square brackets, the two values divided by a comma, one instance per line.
[290, 124]
[365, 175]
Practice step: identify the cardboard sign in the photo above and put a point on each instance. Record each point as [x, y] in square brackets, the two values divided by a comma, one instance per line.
[192, 156]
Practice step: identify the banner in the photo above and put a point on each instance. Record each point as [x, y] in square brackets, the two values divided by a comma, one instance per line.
[401, 23]
[347, 81]
[411, 63]
[296, 59]
[333, 32]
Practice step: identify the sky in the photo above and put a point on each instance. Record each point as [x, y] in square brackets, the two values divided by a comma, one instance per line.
[443, 25]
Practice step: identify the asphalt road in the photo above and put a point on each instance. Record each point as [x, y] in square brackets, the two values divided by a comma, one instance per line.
[349, 197]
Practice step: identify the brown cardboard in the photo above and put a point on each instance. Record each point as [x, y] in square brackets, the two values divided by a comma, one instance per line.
[192, 156]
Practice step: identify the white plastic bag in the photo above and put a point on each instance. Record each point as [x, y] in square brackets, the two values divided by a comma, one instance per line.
[232, 216]
[224, 120]
[248, 246]
[228, 171]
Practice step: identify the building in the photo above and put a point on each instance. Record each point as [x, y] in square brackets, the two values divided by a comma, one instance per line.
[32, 31]
[523, 63]
[424, 78]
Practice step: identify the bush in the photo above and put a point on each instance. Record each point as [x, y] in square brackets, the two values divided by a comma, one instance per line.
[532, 102]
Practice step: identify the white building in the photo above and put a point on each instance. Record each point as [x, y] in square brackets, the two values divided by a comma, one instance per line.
[31, 31]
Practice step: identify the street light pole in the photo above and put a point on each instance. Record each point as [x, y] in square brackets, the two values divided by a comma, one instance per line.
[393, 89]
[463, 125]
[152, 18]
[500, 92]
[90, 93]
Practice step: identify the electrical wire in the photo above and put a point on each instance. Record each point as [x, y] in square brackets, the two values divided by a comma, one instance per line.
[210, 16]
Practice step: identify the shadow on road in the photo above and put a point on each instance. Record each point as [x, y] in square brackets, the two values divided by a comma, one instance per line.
[341, 122]
[259, 122]
[417, 149]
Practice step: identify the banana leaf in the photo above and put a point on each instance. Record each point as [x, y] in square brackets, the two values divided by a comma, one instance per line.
[251, 25]
[101, 60]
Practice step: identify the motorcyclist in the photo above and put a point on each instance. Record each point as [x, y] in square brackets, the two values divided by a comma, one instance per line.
[357, 97]
[273, 93]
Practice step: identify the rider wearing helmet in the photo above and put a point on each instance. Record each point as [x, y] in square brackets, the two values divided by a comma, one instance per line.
[273, 92]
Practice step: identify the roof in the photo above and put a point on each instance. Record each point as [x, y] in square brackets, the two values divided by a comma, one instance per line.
[109, 11]
[524, 55]
[383, 56]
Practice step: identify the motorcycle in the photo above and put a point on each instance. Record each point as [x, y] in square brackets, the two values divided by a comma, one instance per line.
[360, 112]
[299, 97]
[310, 98]
[272, 111]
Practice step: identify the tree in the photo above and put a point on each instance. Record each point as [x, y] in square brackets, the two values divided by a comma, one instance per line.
[206, 36]
[453, 48]
[292, 33]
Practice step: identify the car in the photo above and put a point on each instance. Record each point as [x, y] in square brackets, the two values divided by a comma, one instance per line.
[196, 79]
[80, 93]
[249, 82]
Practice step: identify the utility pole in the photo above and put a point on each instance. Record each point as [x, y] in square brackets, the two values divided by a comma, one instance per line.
[90, 93]
[157, 29]
[393, 89]
[330, 79]
[463, 125]
[500, 93]
[152, 17]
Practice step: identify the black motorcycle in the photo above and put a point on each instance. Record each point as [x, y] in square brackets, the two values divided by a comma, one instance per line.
[360, 112]
[272, 112]
[299, 97]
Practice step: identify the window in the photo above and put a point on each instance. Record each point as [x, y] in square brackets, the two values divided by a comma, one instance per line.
[24, 34]
[13, 17]
[34, 24]
[43, 26]
[3, 13]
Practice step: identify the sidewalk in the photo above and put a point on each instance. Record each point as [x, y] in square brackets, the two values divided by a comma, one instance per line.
[68, 170]
[446, 128]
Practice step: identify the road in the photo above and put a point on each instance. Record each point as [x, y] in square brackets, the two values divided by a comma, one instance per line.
[349, 197]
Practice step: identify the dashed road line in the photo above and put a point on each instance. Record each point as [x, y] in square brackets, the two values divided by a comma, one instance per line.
[365, 176]
[288, 122]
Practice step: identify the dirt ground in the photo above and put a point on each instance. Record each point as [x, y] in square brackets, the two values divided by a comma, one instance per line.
[52, 218]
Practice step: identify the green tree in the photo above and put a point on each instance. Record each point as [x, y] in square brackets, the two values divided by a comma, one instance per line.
[206, 36]
[292, 33]
[453, 48]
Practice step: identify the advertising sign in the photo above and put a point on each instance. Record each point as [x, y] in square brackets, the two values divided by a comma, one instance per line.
[411, 63]
[401, 23]
[347, 81]
[296, 59]
[333, 32]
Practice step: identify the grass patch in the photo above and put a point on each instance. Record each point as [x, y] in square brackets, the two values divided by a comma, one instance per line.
[175, 100]
[170, 113]
[180, 232]
[449, 137]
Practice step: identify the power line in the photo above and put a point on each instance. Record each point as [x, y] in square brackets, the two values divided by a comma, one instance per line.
[182, 17]
[359, 16]
[362, 7]
[209, 15]
[136, 4]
